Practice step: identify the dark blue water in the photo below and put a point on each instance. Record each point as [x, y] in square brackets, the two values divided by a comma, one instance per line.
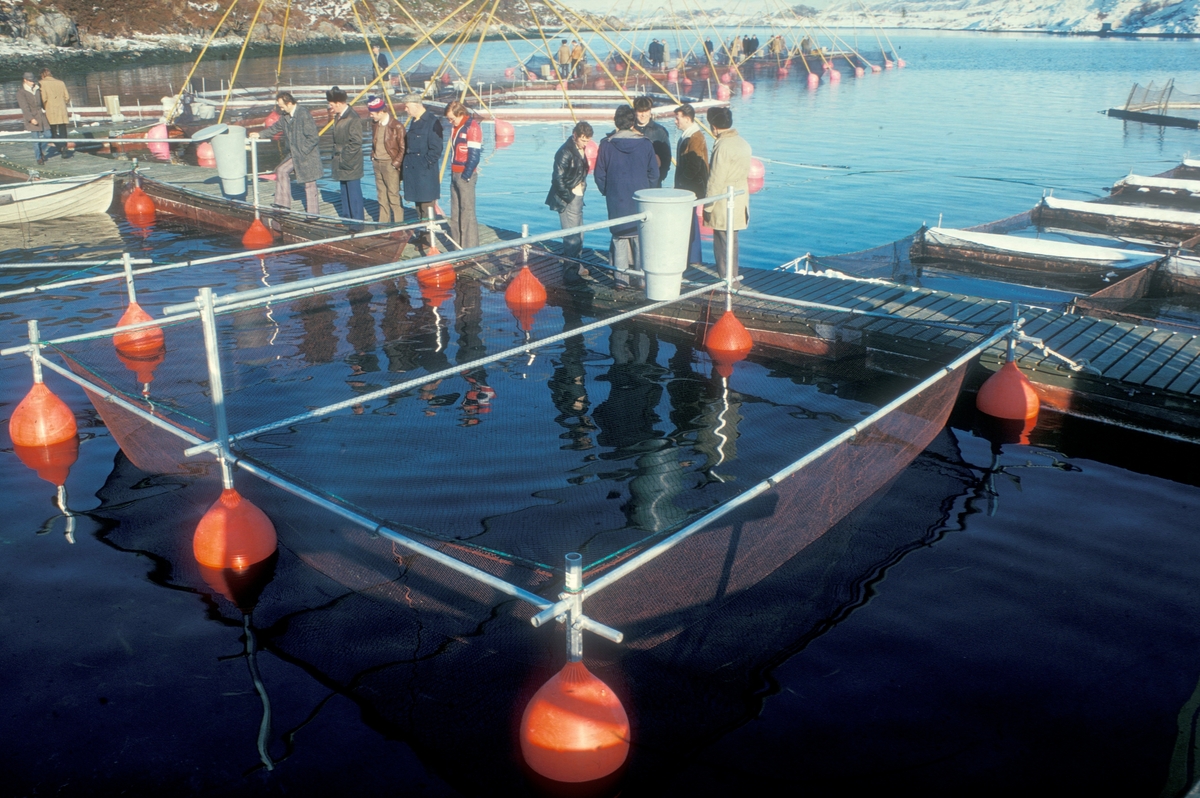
[997, 621]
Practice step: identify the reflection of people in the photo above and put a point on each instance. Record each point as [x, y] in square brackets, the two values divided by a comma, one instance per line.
[626, 163]
[387, 156]
[29, 100]
[347, 153]
[300, 132]
[422, 184]
[568, 385]
[691, 171]
[643, 107]
[54, 100]
[567, 184]
[729, 166]
[466, 140]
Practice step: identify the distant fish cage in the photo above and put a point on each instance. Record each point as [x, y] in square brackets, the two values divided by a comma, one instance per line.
[1160, 105]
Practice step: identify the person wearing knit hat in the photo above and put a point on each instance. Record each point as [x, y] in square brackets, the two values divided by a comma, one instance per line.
[29, 100]
[347, 159]
[387, 156]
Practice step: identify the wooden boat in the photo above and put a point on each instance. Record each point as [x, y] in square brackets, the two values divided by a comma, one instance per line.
[1164, 225]
[60, 198]
[1026, 259]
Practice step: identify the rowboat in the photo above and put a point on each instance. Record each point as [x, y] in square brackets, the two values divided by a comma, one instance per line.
[1005, 256]
[60, 198]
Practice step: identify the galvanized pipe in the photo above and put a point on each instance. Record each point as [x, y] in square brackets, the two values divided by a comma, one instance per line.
[35, 350]
[60, 264]
[129, 278]
[447, 372]
[216, 387]
[631, 565]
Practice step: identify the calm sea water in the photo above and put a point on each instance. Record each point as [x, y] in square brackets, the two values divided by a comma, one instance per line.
[998, 621]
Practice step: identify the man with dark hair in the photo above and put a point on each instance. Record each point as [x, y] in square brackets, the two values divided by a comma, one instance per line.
[466, 142]
[29, 100]
[729, 166]
[567, 184]
[304, 153]
[691, 168]
[625, 164]
[387, 156]
[422, 182]
[563, 59]
[656, 133]
[54, 100]
[347, 167]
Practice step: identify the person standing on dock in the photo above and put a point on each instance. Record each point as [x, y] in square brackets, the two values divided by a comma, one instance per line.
[563, 58]
[643, 107]
[387, 155]
[567, 184]
[300, 132]
[626, 163]
[347, 167]
[466, 141]
[691, 168]
[381, 59]
[729, 166]
[29, 100]
[54, 101]
[577, 56]
[422, 153]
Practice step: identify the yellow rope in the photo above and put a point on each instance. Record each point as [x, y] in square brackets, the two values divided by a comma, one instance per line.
[287, 12]
[187, 81]
[562, 84]
[470, 72]
[379, 73]
[436, 47]
[241, 55]
[411, 47]
[388, 47]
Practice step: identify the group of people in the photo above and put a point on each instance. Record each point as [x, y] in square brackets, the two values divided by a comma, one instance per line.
[658, 52]
[570, 59]
[401, 155]
[43, 107]
[637, 155]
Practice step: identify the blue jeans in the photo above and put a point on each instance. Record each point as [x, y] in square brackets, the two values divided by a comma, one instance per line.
[352, 200]
[40, 150]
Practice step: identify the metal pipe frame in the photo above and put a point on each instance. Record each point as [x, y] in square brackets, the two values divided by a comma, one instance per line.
[447, 372]
[249, 253]
[277, 481]
[59, 264]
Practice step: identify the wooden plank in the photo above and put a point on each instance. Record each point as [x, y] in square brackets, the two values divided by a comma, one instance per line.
[1098, 330]
[1139, 371]
[1100, 344]
[1176, 365]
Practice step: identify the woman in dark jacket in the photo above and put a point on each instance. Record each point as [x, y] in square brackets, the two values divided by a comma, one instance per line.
[347, 153]
[567, 185]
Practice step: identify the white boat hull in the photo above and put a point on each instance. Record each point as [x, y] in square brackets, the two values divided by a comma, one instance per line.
[55, 199]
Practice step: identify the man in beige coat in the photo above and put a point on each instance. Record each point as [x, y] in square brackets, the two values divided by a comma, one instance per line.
[728, 166]
[54, 99]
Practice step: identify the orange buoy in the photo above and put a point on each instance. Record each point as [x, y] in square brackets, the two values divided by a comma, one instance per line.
[257, 235]
[686, 83]
[859, 72]
[233, 534]
[813, 80]
[574, 728]
[41, 419]
[705, 73]
[723, 92]
[139, 208]
[525, 296]
[835, 76]
[757, 170]
[782, 72]
[436, 275]
[505, 133]
[138, 343]
[747, 88]
[205, 156]
[1008, 394]
[53, 462]
[509, 72]
[601, 83]
[590, 151]
[727, 342]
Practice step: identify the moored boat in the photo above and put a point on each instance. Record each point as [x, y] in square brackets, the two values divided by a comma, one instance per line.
[60, 198]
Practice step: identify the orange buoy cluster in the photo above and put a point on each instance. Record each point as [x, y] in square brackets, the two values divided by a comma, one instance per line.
[257, 235]
[139, 208]
[1009, 395]
[727, 342]
[525, 296]
[41, 419]
[575, 728]
[234, 533]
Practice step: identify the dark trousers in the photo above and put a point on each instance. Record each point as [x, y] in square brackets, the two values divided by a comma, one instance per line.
[425, 212]
[694, 254]
[352, 200]
[59, 132]
[719, 239]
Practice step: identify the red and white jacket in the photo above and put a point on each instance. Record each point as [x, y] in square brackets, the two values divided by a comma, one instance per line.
[467, 143]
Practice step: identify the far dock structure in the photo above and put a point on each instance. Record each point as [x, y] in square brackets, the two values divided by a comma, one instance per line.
[1155, 106]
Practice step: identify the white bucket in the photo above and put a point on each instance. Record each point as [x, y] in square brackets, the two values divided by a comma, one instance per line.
[663, 238]
[230, 151]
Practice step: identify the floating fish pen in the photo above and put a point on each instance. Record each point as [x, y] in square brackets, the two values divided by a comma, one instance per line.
[1162, 105]
[497, 460]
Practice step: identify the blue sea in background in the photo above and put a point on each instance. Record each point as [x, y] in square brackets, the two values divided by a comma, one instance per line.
[1040, 633]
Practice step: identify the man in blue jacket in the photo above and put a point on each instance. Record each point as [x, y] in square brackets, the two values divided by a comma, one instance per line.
[625, 164]
[422, 156]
